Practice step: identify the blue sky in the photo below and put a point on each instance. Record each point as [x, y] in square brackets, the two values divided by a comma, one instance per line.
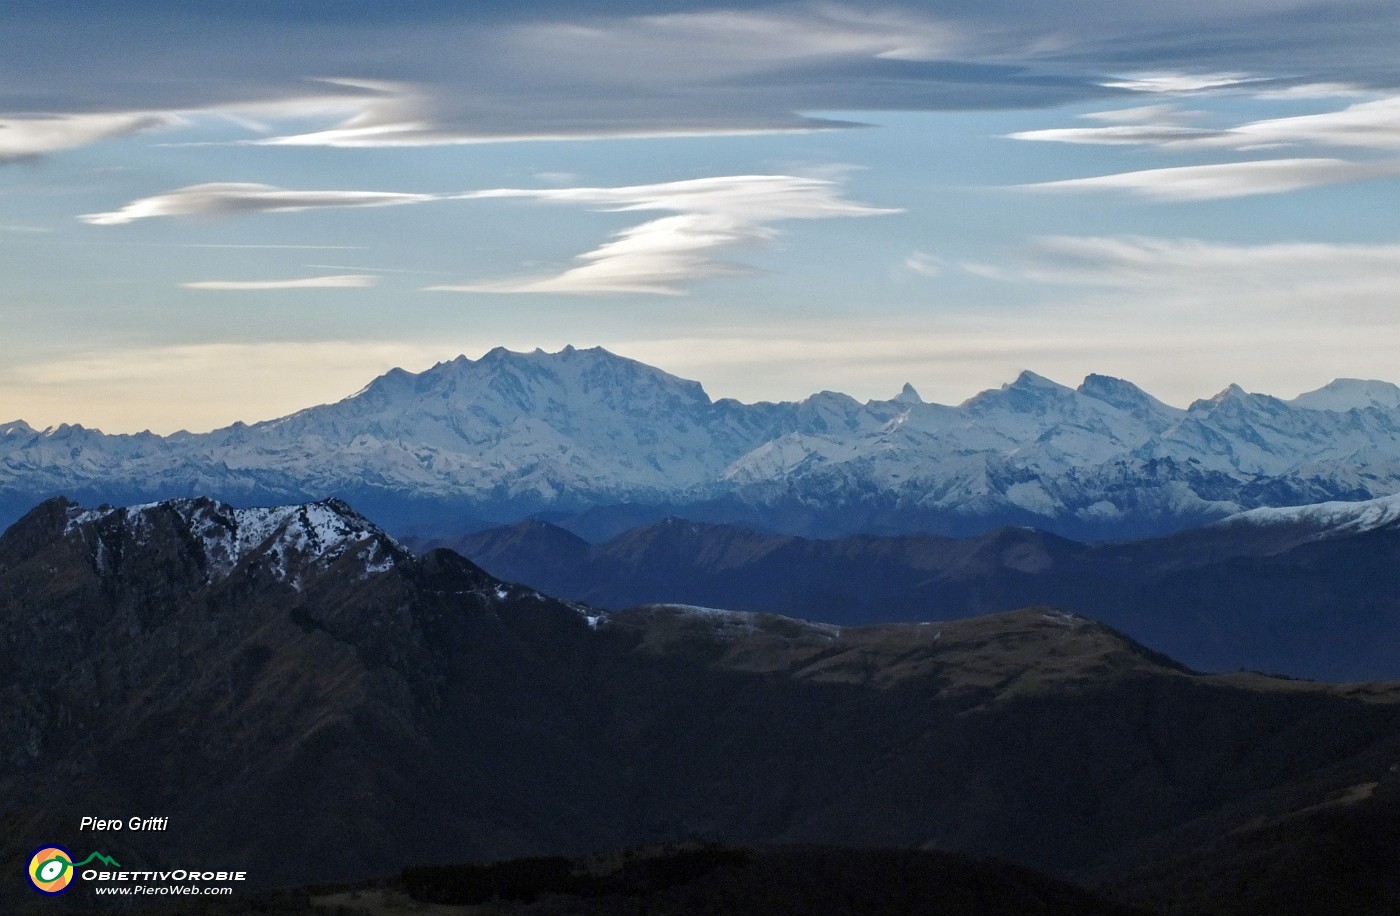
[210, 214]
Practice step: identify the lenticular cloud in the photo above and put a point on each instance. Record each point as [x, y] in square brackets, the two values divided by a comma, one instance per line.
[663, 255]
[236, 198]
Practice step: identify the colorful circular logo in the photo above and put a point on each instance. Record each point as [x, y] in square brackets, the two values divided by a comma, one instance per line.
[51, 869]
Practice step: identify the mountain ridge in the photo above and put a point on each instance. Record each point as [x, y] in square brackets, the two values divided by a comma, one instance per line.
[1306, 591]
[430, 713]
[512, 434]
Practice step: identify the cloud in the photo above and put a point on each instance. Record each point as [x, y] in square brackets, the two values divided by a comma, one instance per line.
[263, 246]
[339, 281]
[1299, 286]
[664, 255]
[1176, 83]
[708, 44]
[1314, 91]
[1226, 180]
[233, 199]
[1163, 125]
[658, 256]
[31, 136]
[486, 72]
[1162, 112]
[477, 74]
[923, 264]
[1149, 261]
[1164, 135]
[1370, 125]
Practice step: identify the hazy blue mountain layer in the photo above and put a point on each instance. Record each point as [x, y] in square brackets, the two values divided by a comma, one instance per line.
[1309, 592]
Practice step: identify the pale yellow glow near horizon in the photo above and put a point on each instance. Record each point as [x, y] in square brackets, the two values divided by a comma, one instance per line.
[207, 386]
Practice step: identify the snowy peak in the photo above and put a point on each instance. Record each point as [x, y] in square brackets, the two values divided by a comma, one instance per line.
[1345, 394]
[288, 538]
[1124, 395]
[907, 395]
[1029, 380]
[1029, 393]
[512, 434]
[1234, 401]
[1232, 393]
[504, 384]
[593, 371]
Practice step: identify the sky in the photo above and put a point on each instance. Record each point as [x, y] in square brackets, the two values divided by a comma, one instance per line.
[213, 212]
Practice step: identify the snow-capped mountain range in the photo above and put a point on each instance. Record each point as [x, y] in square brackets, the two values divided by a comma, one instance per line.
[586, 431]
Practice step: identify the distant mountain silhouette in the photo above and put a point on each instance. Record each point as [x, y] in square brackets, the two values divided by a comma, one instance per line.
[1310, 592]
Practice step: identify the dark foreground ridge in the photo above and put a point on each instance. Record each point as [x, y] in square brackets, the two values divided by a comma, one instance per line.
[306, 700]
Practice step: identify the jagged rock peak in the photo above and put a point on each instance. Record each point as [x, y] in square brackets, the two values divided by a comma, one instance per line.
[1116, 391]
[318, 533]
[1028, 391]
[907, 395]
[1029, 379]
[1231, 393]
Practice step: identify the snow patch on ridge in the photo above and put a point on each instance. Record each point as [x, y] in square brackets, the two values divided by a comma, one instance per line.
[738, 623]
[1335, 518]
[319, 533]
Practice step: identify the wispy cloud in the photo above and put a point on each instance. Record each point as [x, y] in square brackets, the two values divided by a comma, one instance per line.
[564, 82]
[231, 199]
[486, 72]
[1161, 112]
[1164, 135]
[339, 281]
[1366, 131]
[1315, 91]
[923, 264]
[29, 137]
[1161, 262]
[706, 44]
[1164, 125]
[1369, 125]
[662, 255]
[1299, 286]
[665, 255]
[1372, 125]
[1226, 180]
[588, 73]
[257, 246]
[1177, 83]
